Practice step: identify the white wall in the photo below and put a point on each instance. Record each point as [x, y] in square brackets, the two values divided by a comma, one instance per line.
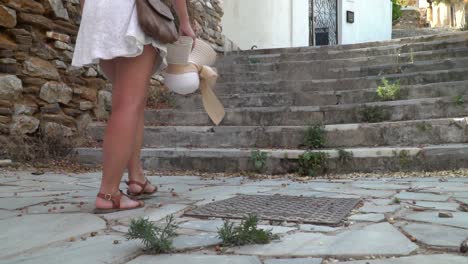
[372, 21]
[266, 23]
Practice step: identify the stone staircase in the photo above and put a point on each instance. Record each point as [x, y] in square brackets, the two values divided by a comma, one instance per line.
[273, 96]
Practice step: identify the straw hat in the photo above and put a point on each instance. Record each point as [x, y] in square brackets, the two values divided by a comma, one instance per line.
[189, 70]
[181, 52]
[181, 77]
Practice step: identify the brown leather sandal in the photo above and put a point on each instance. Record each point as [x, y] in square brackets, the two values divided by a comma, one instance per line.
[143, 187]
[115, 199]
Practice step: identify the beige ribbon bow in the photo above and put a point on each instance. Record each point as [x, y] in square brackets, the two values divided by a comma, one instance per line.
[208, 77]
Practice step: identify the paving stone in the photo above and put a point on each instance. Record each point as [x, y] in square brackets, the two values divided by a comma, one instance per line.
[195, 259]
[437, 205]
[460, 194]
[436, 235]
[368, 217]
[370, 208]
[207, 226]
[427, 259]
[6, 214]
[120, 228]
[61, 208]
[318, 228]
[382, 201]
[185, 242]
[379, 239]
[360, 192]
[153, 214]
[217, 193]
[462, 200]
[99, 249]
[277, 229]
[294, 261]
[11, 203]
[459, 219]
[422, 196]
[39, 230]
[380, 186]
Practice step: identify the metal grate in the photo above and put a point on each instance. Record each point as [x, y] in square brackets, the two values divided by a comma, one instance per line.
[325, 211]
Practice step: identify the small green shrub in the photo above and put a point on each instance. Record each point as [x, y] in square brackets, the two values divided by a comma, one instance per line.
[396, 200]
[315, 136]
[157, 240]
[424, 126]
[372, 114]
[389, 91]
[404, 158]
[259, 159]
[459, 100]
[245, 234]
[312, 163]
[396, 14]
[344, 156]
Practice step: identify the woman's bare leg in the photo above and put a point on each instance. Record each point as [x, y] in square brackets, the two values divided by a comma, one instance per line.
[130, 85]
[135, 169]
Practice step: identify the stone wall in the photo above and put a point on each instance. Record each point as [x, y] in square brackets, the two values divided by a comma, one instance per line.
[39, 90]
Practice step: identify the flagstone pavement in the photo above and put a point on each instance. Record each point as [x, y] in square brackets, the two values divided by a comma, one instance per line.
[48, 219]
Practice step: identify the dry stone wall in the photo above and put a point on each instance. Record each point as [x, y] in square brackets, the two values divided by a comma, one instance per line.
[39, 90]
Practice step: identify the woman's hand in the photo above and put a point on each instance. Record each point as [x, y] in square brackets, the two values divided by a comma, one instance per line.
[187, 30]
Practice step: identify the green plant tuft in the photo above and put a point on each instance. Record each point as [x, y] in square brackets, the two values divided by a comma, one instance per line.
[424, 126]
[259, 160]
[315, 136]
[389, 91]
[344, 156]
[312, 163]
[404, 158]
[396, 200]
[245, 234]
[372, 114]
[459, 100]
[156, 239]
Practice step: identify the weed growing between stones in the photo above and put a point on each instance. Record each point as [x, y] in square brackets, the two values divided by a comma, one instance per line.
[396, 200]
[157, 240]
[345, 157]
[403, 157]
[389, 91]
[253, 61]
[259, 159]
[313, 163]
[245, 234]
[315, 136]
[41, 147]
[372, 114]
[424, 126]
[459, 100]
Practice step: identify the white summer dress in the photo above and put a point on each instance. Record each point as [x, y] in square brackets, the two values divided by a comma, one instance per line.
[110, 29]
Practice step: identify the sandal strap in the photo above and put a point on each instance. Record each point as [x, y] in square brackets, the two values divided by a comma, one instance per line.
[142, 185]
[114, 198]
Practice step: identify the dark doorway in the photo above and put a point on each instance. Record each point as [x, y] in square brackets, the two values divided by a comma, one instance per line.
[323, 17]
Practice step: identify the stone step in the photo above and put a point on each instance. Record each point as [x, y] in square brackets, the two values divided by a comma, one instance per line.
[416, 109]
[395, 49]
[320, 73]
[403, 58]
[417, 39]
[407, 133]
[343, 84]
[194, 102]
[428, 158]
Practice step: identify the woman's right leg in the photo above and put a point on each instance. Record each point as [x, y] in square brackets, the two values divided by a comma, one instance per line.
[130, 85]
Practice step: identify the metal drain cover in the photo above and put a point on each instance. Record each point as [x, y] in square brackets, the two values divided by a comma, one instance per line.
[312, 210]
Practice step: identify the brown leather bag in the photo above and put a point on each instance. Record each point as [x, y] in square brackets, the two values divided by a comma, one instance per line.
[157, 21]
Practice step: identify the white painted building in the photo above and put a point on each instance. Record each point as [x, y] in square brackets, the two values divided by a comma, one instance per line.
[288, 23]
